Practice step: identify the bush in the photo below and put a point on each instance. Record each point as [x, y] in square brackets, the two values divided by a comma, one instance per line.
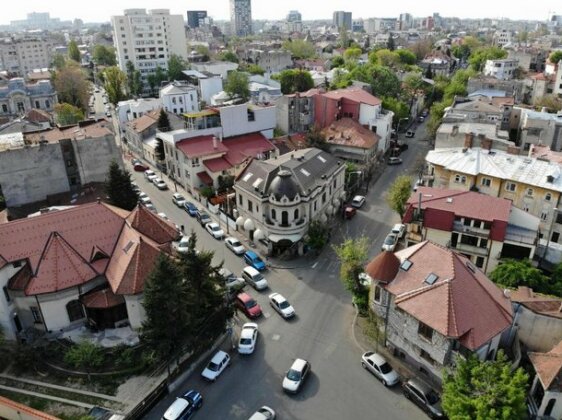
[361, 300]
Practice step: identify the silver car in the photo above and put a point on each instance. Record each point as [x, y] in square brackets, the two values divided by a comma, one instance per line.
[379, 367]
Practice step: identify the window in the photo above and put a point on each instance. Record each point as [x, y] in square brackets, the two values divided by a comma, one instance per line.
[284, 218]
[324, 198]
[544, 215]
[486, 182]
[425, 331]
[47, 104]
[4, 108]
[37, 105]
[36, 314]
[377, 294]
[529, 192]
[479, 262]
[273, 214]
[6, 294]
[250, 206]
[548, 197]
[296, 214]
[425, 356]
[510, 186]
[549, 407]
[74, 310]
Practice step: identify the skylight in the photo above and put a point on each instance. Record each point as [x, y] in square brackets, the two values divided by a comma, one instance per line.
[247, 177]
[321, 158]
[305, 172]
[406, 264]
[431, 278]
[257, 183]
[128, 246]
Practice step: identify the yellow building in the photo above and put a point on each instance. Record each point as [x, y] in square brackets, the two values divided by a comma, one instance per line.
[533, 185]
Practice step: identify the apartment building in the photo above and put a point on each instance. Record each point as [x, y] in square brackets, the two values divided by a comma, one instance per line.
[501, 69]
[20, 56]
[241, 17]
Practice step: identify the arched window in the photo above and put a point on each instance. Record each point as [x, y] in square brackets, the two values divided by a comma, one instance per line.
[75, 310]
[284, 218]
[273, 214]
[549, 407]
[296, 214]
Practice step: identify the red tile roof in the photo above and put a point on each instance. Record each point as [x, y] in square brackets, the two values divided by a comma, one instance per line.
[355, 94]
[75, 132]
[3, 261]
[217, 164]
[548, 367]
[156, 228]
[545, 305]
[349, 133]
[20, 280]
[461, 304]
[240, 148]
[205, 177]
[462, 203]
[28, 412]
[201, 146]
[383, 267]
[102, 299]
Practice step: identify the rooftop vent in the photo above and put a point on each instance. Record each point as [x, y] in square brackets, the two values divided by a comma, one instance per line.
[449, 199]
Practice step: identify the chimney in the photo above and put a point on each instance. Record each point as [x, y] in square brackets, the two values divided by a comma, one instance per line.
[215, 142]
[513, 150]
[485, 143]
[468, 140]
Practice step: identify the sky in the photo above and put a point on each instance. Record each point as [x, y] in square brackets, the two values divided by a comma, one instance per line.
[102, 10]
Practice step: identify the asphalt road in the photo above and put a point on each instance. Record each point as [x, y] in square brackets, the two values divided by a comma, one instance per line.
[339, 388]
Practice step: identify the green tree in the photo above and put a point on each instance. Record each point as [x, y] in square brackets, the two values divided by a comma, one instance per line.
[352, 255]
[67, 114]
[317, 235]
[337, 61]
[480, 55]
[550, 102]
[59, 61]
[388, 58]
[555, 57]
[155, 79]
[373, 57]
[299, 48]
[397, 106]
[134, 82]
[169, 321]
[72, 85]
[104, 56]
[114, 82]
[295, 80]
[436, 113]
[315, 138]
[406, 56]
[515, 273]
[204, 51]
[485, 390]
[352, 54]
[176, 65]
[398, 194]
[73, 51]
[255, 69]
[228, 56]
[85, 356]
[236, 85]
[118, 188]
[390, 45]
[163, 121]
[384, 82]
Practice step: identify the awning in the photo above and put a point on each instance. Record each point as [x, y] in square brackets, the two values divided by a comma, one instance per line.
[205, 177]
[276, 238]
[102, 299]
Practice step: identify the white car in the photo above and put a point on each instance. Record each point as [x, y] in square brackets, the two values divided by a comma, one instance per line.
[264, 413]
[378, 366]
[144, 198]
[295, 377]
[183, 245]
[163, 216]
[248, 338]
[234, 245]
[358, 201]
[160, 184]
[390, 242]
[399, 229]
[215, 230]
[150, 175]
[281, 305]
[178, 200]
[150, 207]
[216, 366]
[230, 280]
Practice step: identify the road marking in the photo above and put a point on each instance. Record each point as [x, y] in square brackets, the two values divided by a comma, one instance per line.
[275, 337]
[315, 264]
[266, 315]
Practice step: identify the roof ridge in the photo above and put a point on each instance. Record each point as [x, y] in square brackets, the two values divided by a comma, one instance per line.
[412, 293]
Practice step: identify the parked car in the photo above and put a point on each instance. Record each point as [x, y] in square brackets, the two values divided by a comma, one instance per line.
[248, 305]
[183, 245]
[264, 413]
[178, 200]
[216, 366]
[281, 305]
[421, 118]
[190, 208]
[390, 242]
[425, 113]
[399, 229]
[135, 187]
[139, 167]
[203, 217]
[150, 207]
[160, 184]
[296, 375]
[424, 397]
[410, 133]
[234, 245]
[349, 212]
[394, 161]
[215, 230]
[248, 338]
[254, 260]
[144, 198]
[378, 366]
[254, 278]
[149, 175]
[184, 407]
[358, 201]
[230, 280]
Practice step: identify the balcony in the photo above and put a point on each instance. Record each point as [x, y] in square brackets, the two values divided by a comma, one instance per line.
[470, 230]
[468, 249]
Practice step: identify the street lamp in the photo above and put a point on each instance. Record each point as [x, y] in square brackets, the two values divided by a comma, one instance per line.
[554, 213]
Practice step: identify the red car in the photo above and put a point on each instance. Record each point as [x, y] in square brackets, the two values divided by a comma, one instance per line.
[139, 167]
[248, 305]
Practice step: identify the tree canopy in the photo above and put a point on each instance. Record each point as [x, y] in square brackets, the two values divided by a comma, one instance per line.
[134, 82]
[67, 114]
[352, 53]
[155, 79]
[72, 85]
[176, 65]
[104, 56]
[555, 57]
[398, 194]
[114, 82]
[228, 56]
[352, 254]
[84, 355]
[255, 69]
[118, 188]
[73, 51]
[551, 102]
[299, 48]
[514, 273]
[400, 108]
[295, 80]
[485, 390]
[236, 85]
[480, 55]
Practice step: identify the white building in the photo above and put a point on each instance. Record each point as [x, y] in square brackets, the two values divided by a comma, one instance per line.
[501, 69]
[208, 84]
[278, 198]
[179, 97]
[135, 108]
[148, 39]
[215, 67]
[21, 56]
[502, 37]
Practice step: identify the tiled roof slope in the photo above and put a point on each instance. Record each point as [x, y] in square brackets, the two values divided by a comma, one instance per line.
[383, 267]
[548, 366]
[151, 225]
[102, 299]
[461, 304]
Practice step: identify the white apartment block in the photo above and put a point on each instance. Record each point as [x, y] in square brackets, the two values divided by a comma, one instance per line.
[502, 37]
[148, 39]
[179, 97]
[501, 69]
[21, 56]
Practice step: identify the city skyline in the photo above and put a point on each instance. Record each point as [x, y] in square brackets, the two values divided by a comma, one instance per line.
[102, 10]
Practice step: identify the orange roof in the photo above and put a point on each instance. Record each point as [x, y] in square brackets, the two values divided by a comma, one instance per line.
[383, 267]
[462, 303]
[355, 94]
[102, 299]
[30, 413]
[548, 366]
[75, 132]
[146, 121]
[349, 133]
[152, 225]
[544, 152]
[546, 305]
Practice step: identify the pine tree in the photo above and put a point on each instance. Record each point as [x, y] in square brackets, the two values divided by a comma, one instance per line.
[119, 189]
[390, 44]
[73, 51]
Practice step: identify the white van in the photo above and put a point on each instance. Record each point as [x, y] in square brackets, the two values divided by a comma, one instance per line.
[254, 278]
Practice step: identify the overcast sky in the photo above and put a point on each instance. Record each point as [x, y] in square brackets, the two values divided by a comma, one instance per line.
[101, 10]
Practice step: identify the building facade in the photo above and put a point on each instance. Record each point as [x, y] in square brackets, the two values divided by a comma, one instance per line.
[241, 17]
[343, 20]
[18, 97]
[196, 18]
[148, 40]
[19, 56]
[179, 97]
[501, 69]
